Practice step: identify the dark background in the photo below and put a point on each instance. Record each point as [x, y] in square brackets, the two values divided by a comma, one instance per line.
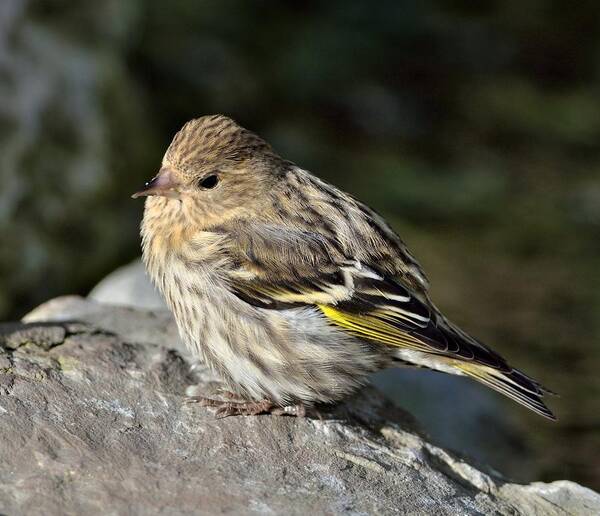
[472, 126]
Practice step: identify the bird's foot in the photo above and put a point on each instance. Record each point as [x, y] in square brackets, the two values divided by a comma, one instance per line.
[246, 408]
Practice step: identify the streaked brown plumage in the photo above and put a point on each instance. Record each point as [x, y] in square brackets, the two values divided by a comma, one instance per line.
[291, 289]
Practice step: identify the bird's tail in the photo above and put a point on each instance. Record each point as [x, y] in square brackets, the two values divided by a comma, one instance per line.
[513, 384]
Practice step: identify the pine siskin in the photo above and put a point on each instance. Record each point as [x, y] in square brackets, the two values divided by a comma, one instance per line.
[289, 288]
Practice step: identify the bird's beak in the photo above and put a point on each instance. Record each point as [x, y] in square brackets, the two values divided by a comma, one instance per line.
[164, 183]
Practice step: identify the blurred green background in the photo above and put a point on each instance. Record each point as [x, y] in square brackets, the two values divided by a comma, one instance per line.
[474, 127]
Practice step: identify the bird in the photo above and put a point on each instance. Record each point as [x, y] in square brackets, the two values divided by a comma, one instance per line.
[291, 290]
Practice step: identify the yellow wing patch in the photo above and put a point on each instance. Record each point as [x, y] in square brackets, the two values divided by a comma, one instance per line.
[372, 328]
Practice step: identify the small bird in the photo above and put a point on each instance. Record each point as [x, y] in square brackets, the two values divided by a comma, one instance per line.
[290, 289]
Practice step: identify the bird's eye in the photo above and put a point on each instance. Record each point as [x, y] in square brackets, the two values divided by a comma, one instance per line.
[209, 181]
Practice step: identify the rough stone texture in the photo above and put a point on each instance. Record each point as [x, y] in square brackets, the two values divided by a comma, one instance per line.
[94, 421]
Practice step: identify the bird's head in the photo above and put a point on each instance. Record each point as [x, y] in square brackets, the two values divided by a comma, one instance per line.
[213, 169]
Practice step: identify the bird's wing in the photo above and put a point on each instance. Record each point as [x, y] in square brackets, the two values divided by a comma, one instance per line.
[278, 268]
[281, 268]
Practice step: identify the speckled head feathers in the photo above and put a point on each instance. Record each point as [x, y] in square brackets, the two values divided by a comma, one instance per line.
[213, 138]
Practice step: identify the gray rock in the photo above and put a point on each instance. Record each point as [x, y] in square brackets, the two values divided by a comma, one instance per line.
[140, 326]
[128, 286]
[475, 420]
[95, 422]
